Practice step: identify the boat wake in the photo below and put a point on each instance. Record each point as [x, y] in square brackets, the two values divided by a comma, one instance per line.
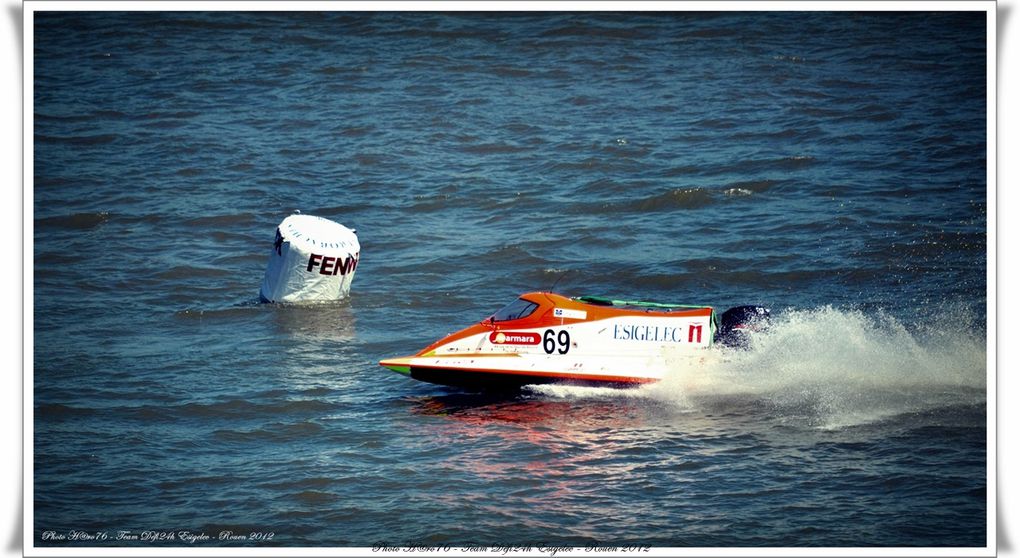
[829, 367]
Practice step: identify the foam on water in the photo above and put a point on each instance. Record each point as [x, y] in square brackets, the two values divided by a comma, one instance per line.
[829, 367]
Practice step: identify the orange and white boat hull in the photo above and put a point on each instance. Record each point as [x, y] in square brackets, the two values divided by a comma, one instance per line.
[567, 340]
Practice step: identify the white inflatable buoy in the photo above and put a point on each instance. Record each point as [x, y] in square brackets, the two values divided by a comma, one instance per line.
[313, 260]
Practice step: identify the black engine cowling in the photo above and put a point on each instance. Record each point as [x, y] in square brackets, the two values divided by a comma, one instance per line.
[738, 323]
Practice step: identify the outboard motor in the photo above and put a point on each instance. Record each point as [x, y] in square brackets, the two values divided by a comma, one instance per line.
[738, 323]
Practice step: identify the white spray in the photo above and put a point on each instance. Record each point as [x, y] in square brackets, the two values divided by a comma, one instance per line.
[832, 367]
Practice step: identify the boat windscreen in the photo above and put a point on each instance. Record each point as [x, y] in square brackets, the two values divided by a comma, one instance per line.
[516, 310]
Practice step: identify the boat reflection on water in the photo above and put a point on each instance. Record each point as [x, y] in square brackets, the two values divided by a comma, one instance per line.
[488, 408]
[550, 457]
[560, 434]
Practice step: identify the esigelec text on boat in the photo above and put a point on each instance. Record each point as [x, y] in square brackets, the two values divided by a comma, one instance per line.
[543, 337]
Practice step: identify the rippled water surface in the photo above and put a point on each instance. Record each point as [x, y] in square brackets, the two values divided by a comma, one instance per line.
[829, 165]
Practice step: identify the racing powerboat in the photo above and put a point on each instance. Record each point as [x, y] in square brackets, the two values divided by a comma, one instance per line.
[543, 337]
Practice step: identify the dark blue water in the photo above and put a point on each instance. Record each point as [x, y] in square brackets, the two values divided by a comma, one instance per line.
[829, 165]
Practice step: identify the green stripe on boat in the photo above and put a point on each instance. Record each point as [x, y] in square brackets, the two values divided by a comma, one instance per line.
[604, 301]
[405, 370]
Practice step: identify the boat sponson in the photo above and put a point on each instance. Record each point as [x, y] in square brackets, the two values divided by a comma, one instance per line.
[475, 379]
